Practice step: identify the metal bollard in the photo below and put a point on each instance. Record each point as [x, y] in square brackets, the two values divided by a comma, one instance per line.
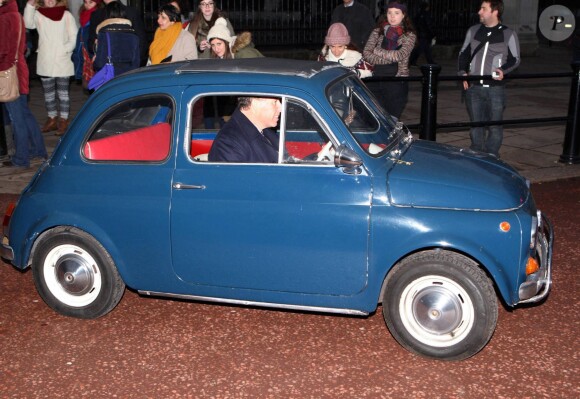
[429, 102]
[571, 148]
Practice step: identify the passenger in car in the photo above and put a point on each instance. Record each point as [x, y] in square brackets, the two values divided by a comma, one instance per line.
[247, 137]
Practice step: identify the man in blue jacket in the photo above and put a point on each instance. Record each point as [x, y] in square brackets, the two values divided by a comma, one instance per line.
[490, 48]
[246, 137]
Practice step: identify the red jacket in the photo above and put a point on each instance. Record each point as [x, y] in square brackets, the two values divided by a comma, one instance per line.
[10, 24]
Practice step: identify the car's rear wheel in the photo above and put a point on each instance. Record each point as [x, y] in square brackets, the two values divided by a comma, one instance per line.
[440, 304]
[75, 275]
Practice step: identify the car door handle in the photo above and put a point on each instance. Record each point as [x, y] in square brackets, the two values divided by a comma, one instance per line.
[181, 186]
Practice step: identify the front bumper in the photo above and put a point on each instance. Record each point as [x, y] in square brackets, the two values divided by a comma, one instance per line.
[538, 284]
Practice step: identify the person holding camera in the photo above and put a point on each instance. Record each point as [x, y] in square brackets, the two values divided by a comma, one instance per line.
[490, 48]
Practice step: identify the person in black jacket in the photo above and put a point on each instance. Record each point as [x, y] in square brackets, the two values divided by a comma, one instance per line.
[490, 49]
[124, 41]
[425, 34]
[358, 20]
[132, 14]
[247, 137]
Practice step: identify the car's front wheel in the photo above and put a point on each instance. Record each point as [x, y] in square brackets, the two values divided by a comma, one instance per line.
[75, 275]
[440, 304]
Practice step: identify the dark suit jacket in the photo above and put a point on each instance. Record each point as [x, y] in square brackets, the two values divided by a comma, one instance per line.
[359, 21]
[132, 14]
[240, 141]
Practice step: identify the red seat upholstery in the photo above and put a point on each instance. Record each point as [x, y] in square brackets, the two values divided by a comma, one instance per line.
[200, 147]
[300, 149]
[150, 143]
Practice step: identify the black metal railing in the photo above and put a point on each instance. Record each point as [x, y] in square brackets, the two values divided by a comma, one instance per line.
[291, 23]
[428, 125]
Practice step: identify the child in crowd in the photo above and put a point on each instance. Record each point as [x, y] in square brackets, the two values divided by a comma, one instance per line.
[338, 48]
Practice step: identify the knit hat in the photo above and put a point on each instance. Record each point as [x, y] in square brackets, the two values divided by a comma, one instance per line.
[220, 31]
[337, 35]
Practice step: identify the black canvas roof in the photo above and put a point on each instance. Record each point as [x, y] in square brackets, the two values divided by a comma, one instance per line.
[279, 66]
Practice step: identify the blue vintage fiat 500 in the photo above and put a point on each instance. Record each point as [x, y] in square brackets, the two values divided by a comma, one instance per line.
[354, 213]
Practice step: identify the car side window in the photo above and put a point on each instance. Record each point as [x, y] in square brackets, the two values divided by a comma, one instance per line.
[208, 115]
[304, 136]
[137, 130]
[302, 133]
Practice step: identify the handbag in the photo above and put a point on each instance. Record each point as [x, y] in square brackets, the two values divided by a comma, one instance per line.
[88, 71]
[106, 73]
[9, 78]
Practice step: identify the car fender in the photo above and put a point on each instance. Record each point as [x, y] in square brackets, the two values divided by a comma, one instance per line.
[496, 253]
[36, 230]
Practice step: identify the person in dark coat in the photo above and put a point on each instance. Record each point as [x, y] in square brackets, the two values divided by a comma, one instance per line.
[247, 137]
[425, 34]
[132, 14]
[125, 54]
[358, 20]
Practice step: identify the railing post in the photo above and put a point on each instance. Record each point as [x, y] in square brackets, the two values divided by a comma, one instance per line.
[429, 101]
[571, 148]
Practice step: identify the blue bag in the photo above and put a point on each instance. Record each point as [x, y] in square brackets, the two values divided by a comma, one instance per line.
[106, 73]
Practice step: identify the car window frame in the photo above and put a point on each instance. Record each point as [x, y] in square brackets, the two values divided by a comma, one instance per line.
[106, 110]
[282, 126]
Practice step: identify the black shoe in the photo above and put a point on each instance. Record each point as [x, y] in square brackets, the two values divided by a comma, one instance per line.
[9, 164]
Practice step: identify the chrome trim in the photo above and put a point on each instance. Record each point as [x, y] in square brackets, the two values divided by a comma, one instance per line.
[252, 303]
[538, 285]
[181, 186]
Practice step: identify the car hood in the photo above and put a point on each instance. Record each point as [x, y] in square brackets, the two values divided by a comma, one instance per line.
[441, 176]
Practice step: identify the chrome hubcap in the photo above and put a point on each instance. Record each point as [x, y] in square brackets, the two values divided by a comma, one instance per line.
[74, 274]
[436, 310]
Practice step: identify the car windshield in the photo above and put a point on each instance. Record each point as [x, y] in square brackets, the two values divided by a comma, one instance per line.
[371, 126]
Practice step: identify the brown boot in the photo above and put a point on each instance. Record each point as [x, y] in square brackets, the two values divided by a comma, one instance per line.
[62, 126]
[49, 125]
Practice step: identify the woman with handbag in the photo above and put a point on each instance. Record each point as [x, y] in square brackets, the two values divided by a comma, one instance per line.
[116, 29]
[57, 33]
[28, 140]
[81, 58]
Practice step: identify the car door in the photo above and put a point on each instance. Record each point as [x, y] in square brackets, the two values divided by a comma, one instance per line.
[292, 227]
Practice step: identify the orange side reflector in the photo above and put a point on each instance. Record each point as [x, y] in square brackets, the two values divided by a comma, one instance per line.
[505, 227]
[9, 211]
[532, 266]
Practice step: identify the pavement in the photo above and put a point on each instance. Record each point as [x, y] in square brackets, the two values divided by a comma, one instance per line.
[159, 348]
[534, 150]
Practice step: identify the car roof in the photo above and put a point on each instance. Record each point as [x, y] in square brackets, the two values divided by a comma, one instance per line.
[276, 66]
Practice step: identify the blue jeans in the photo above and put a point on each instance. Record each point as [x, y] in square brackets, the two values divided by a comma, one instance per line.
[28, 140]
[486, 104]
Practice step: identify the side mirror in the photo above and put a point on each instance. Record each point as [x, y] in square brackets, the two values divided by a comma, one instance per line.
[347, 159]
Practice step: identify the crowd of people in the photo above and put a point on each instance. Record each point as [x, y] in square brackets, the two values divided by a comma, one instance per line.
[110, 32]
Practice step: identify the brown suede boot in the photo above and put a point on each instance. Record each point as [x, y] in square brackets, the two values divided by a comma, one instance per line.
[62, 126]
[49, 125]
